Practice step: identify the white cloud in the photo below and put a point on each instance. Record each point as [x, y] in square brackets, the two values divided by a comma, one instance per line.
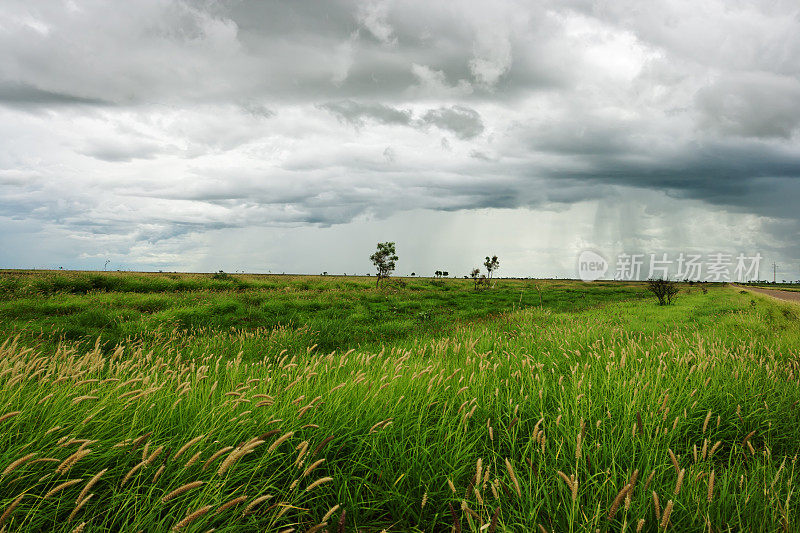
[433, 83]
[373, 15]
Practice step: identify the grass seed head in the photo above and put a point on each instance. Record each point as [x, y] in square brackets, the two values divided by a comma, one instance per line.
[10, 509]
[14, 465]
[79, 506]
[192, 517]
[656, 506]
[710, 495]
[231, 503]
[679, 481]
[255, 503]
[318, 482]
[617, 501]
[182, 489]
[89, 485]
[665, 516]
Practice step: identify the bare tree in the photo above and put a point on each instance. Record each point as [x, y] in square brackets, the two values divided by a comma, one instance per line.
[384, 260]
[663, 289]
[491, 265]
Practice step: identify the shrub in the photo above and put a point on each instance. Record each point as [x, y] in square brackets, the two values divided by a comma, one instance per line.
[663, 289]
[221, 275]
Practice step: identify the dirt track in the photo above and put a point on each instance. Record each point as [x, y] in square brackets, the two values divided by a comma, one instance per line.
[789, 296]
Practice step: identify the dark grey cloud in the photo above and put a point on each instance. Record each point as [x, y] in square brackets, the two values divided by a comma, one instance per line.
[357, 113]
[22, 95]
[460, 120]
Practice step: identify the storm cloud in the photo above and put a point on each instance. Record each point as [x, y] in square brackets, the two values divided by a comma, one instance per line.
[138, 130]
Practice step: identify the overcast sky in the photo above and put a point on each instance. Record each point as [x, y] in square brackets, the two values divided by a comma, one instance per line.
[291, 136]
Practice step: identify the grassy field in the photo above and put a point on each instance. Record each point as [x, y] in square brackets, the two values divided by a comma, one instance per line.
[336, 313]
[424, 407]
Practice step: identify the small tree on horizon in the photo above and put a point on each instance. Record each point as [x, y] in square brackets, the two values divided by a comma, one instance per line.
[384, 260]
[474, 275]
[491, 265]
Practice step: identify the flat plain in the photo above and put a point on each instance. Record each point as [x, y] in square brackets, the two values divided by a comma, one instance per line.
[151, 402]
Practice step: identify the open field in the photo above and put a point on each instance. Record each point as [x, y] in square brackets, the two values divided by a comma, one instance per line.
[270, 403]
[333, 312]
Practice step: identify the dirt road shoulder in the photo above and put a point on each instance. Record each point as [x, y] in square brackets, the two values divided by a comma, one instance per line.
[789, 296]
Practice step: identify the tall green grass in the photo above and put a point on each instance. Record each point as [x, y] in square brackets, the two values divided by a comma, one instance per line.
[409, 422]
